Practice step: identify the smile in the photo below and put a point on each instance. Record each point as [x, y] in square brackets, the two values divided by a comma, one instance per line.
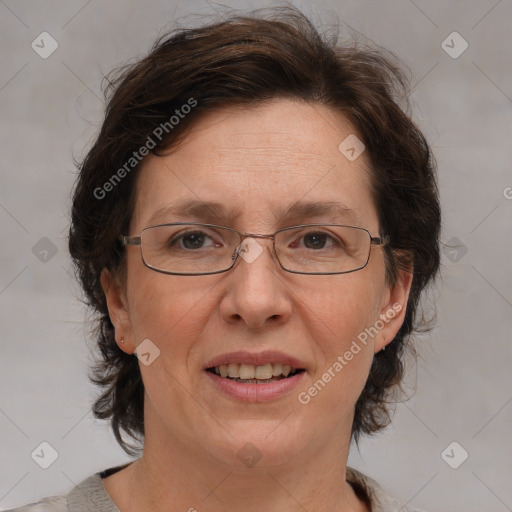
[255, 377]
[254, 374]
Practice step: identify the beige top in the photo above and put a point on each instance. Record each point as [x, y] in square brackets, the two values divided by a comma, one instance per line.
[90, 494]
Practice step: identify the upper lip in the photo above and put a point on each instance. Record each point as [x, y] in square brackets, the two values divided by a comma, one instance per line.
[255, 358]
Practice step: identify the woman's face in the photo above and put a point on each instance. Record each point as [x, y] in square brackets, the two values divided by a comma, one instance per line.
[257, 163]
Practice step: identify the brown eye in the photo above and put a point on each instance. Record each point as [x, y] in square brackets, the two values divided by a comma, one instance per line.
[315, 240]
[193, 240]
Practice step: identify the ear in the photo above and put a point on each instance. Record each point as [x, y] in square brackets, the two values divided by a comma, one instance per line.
[394, 306]
[118, 311]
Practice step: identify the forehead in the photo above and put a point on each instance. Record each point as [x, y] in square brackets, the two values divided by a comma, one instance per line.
[255, 164]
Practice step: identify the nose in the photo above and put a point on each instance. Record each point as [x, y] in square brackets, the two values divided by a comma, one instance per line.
[255, 292]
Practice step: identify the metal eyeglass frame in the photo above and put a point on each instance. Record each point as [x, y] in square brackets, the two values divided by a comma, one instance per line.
[136, 240]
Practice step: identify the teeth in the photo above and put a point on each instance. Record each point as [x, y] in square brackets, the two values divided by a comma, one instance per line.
[277, 369]
[263, 372]
[233, 370]
[250, 372]
[246, 371]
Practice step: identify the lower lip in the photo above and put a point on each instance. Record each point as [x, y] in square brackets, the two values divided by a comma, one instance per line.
[256, 392]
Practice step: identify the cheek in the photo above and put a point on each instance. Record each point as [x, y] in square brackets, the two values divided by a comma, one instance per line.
[345, 355]
[169, 310]
[337, 313]
[341, 306]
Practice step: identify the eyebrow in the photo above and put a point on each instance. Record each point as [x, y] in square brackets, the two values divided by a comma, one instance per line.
[219, 212]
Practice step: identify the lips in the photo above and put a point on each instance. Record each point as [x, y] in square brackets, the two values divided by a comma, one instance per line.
[251, 371]
[255, 376]
[258, 367]
[240, 357]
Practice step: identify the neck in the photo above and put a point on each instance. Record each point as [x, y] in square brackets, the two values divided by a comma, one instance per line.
[172, 476]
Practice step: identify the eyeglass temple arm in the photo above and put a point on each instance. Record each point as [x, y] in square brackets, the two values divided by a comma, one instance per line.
[380, 240]
[129, 240]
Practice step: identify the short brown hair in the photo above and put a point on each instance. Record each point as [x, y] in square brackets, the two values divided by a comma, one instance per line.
[247, 60]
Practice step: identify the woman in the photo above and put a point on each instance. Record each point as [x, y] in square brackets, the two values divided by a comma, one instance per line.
[254, 227]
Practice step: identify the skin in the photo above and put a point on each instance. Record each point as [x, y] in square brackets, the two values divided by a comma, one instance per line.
[257, 161]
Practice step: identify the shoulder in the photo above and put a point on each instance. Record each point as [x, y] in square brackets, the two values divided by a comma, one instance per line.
[89, 494]
[374, 494]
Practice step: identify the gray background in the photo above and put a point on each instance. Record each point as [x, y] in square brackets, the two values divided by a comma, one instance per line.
[50, 110]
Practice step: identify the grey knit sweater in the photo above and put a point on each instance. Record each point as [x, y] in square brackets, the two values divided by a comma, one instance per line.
[90, 495]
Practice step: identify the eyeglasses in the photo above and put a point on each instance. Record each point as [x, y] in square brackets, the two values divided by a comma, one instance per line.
[199, 249]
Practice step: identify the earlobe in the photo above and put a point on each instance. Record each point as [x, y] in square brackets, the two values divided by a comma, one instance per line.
[117, 309]
[392, 313]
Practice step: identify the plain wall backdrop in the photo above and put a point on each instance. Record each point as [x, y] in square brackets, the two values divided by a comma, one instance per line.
[52, 107]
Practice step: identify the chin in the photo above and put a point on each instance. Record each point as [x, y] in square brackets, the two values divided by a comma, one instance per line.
[257, 444]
